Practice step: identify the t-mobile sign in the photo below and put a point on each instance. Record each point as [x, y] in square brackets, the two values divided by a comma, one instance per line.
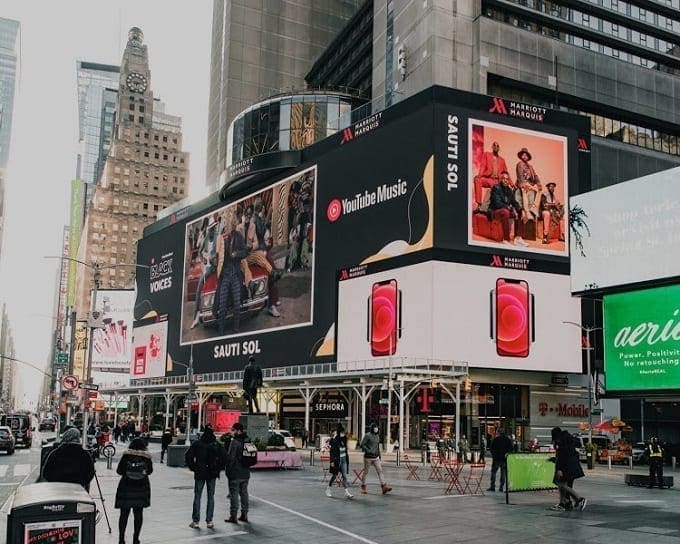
[642, 339]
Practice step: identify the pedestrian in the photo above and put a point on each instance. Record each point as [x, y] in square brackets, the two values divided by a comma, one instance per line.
[500, 446]
[205, 458]
[116, 433]
[339, 461]
[370, 445]
[238, 472]
[482, 450]
[305, 433]
[166, 440]
[567, 469]
[463, 449]
[134, 488]
[69, 462]
[655, 463]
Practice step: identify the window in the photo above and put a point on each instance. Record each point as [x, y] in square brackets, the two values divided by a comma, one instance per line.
[141, 119]
[132, 107]
[131, 117]
[165, 138]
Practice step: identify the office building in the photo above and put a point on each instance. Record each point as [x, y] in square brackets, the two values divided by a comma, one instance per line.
[259, 52]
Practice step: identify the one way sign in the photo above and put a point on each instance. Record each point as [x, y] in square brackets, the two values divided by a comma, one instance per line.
[89, 386]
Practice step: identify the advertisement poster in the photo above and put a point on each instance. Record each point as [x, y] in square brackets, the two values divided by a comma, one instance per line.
[642, 340]
[149, 350]
[248, 255]
[53, 532]
[535, 167]
[482, 315]
[111, 342]
[530, 471]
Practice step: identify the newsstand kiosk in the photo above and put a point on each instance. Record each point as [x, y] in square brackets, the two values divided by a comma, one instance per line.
[51, 512]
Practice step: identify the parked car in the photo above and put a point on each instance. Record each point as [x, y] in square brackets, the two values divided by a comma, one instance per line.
[601, 441]
[21, 428]
[251, 303]
[6, 440]
[640, 453]
[287, 437]
[47, 425]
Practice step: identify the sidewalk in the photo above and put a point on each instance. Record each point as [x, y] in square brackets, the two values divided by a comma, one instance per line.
[290, 505]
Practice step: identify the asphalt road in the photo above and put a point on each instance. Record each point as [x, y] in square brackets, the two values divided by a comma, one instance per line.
[21, 468]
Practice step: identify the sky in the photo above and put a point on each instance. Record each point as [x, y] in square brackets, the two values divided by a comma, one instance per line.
[44, 145]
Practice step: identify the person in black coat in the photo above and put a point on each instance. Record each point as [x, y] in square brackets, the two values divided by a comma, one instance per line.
[205, 458]
[69, 462]
[134, 488]
[567, 469]
[166, 440]
[339, 461]
[500, 446]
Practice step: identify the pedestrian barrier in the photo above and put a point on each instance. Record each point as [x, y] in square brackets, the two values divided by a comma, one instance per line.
[529, 472]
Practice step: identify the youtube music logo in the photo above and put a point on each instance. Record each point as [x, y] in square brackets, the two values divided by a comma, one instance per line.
[334, 210]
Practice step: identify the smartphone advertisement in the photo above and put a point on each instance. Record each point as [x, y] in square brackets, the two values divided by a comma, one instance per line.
[149, 350]
[483, 315]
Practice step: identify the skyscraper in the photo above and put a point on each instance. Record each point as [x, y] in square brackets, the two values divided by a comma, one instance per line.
[258, 52]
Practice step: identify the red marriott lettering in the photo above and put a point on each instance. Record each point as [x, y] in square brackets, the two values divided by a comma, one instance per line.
[572, 410]
[347, 136]
[498, 106]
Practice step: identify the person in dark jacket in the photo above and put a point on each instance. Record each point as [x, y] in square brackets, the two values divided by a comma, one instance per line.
[339, 462]
[567, 469]
[205, 458]
[655, 452]
[238, 474]
[500, 446]
[504, 207]
[370, 445]
[69, 462]
[166, 440]
[134, 488]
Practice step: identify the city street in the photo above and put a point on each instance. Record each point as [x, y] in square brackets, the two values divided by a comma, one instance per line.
[291, 506]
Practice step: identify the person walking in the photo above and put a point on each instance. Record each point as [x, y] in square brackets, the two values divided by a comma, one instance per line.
[370, 445]
[205, 458]
[238, 472]
[166, 440]
[500, 446]
[116, 432]
[655, 463]
[69, 462]
[567, 469]
[339, 462]
[134, 488]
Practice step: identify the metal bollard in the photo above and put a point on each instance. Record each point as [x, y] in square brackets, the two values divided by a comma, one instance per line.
[109, 463]
[311, 457]
[630, 461]
[673, 461]
[609, 461]
[398, 458]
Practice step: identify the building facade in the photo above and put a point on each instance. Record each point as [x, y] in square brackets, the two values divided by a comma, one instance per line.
[145, 171]
[258, 52]
[7, 365]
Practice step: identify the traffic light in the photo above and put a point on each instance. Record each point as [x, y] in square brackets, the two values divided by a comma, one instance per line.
[401, 60]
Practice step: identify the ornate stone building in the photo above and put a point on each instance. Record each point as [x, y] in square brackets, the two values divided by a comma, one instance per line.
[146, 171]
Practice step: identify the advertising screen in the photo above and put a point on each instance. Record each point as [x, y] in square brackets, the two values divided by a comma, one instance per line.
[111, 342]
[485, 316]
[642, 340]
[149, 350]
[632, 233]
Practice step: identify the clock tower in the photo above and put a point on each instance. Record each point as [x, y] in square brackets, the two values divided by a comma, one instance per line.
[135, 99]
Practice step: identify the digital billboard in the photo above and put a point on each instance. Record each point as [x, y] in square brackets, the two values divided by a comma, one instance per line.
[632, 233]
[149, 350]
[642, 340]
[482, 315]
[397, 185]
[111, 342]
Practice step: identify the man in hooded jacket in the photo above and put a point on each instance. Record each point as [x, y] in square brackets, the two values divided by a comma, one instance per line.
[69, 462]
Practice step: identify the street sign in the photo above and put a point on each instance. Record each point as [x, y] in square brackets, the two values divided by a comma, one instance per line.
[596, 411]
[89, 386]
[69, 382]
[384, 401]
[191, 399]
[62, 358]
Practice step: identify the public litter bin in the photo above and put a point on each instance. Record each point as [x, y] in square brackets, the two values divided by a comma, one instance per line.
[51, 512]
[176, 455]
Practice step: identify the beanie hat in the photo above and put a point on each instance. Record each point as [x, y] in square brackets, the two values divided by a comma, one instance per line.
[72, 435]
[138, 444]
[340, 428]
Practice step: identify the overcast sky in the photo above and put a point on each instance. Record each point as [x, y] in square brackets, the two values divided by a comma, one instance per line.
[54, 35]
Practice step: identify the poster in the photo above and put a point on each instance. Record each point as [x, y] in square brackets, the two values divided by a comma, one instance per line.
[64, 531]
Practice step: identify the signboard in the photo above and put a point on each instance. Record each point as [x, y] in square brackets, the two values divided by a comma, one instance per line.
[89, 386]
[65, 531]
[149, 350]
[329, 409]
[642, 340]
[70, 382]
[530, 471]
[111, 342]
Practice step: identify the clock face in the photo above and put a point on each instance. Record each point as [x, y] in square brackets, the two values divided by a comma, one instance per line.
[136, 82]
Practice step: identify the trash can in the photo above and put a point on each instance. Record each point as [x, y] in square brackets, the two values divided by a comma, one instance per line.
[475, 455]
[424, 453]
[51, 512]
[176, 455]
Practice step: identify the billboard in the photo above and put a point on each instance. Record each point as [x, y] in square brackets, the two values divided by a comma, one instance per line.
[633, 235]
[393, 186]
[485, 316]
[149, 350]
[111, 342]
[642, 340]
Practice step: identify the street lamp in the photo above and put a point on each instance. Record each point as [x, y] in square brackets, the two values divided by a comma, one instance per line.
[190, 393]
[588, 330]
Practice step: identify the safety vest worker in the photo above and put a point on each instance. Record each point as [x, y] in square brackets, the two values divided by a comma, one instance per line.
[655, 463]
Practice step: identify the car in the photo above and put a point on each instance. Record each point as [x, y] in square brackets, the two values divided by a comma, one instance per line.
[601, 441]
[6, 440]
[21, 428]
[288, 440]
[640, 453]
[47, 425]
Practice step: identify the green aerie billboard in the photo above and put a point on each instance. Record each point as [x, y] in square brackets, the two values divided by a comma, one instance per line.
[642, 340]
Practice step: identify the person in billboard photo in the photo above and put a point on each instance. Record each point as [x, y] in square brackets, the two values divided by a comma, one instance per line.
[504, 206]
[552, 212]
[528, 183]
[489, 170]
[231, 248]
[207, 254]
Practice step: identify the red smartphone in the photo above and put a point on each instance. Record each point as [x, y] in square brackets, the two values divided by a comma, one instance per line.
[383, 317]
[140, 361]
[513, 318]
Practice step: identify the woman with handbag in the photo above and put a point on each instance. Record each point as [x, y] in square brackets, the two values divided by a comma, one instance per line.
[134, 488]
[339, 461]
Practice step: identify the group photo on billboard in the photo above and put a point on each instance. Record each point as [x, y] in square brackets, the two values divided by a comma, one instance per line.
[249, 265]
[518, 188]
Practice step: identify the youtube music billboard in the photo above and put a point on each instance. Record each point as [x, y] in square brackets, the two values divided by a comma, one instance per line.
[404, 185]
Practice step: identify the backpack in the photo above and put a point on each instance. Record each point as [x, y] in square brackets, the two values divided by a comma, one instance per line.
[248, 455]
[135, 469]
